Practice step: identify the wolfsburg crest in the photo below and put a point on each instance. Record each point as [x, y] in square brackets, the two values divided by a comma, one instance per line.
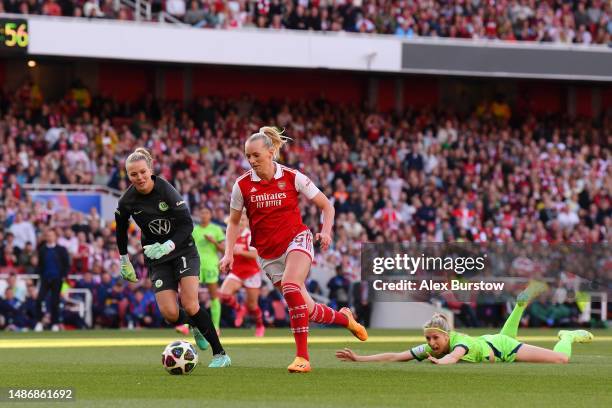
[163, 206]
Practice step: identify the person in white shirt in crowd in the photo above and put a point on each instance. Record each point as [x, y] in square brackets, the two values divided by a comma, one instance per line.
[23, 230]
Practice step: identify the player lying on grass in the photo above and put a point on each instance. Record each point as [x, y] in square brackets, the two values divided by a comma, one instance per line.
[446, 346]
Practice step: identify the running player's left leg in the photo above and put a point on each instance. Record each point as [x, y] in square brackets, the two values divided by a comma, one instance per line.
[533, 290]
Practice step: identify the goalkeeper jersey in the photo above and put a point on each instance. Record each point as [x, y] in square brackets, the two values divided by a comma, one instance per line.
[476, 348]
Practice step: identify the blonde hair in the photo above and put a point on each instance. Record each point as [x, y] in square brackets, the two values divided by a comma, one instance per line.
[140, 154]
[438, 321]
[272, 137]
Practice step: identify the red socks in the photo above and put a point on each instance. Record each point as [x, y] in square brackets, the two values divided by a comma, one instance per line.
[257, 316]
[298, 316]
[326, 315]
[229, 300]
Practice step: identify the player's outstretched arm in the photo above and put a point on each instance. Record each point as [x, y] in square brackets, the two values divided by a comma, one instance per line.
[347, 354]
[231, 235]
[122, 220]
[450, 358]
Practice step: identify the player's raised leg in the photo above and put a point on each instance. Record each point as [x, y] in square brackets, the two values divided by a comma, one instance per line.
[202, 321]
[569, 337]
[296, 270]
[562, 352]
[533, 290]
[323, 314]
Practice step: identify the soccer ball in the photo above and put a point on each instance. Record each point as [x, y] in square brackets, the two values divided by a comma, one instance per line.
[179, 357]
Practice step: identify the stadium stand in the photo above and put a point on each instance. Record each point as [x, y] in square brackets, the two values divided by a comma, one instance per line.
[427, 175]
[557, 21]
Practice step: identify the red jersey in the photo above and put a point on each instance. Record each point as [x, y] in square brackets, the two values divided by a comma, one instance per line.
[245, 267]
[272, 208]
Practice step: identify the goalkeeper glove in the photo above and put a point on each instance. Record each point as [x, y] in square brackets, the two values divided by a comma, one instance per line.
[157, 250]
[127, 270]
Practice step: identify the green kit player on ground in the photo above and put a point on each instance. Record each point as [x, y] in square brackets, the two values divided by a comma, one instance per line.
[446, 346]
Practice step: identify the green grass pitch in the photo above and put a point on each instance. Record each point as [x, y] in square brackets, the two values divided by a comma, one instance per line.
[123, 368]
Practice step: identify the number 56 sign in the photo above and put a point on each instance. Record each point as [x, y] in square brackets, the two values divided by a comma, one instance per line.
[14, 35]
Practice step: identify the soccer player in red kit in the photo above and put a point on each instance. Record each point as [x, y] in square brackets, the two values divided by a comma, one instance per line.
[270, 193]
[245, 272]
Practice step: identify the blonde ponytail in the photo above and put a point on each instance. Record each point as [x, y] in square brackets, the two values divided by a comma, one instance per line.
[140, 154]
[272, 137]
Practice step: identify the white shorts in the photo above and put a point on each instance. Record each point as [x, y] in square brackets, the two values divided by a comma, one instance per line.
[274, 268]
[253, 282]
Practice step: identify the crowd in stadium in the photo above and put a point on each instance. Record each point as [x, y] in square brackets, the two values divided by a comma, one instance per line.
[560, 21]
[491, 175]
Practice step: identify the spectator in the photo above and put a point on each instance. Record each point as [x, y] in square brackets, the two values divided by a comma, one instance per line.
[361, 302]
[27, 259]
[175, 8]
[196, 15]
[53, 265]
[23, 231]
[339, 288]
[18, 286]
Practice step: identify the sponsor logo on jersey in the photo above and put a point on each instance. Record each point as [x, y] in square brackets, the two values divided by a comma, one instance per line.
[266, 197]
[268, 200]
[160, 226]
[180, 203]
[282, 185]
[163, 206]
[253, 190]
[159, 283]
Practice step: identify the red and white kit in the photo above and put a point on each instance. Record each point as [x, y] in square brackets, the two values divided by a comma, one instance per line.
[246, 270]
[274, 215]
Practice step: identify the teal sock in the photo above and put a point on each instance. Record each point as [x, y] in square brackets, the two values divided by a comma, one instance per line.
[215, 312]
[512, 322]
[564, 346]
